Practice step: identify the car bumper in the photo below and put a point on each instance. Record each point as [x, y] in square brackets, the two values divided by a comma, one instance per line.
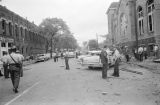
[92, 64]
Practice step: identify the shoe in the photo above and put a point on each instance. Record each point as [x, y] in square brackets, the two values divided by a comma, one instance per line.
[16, 90]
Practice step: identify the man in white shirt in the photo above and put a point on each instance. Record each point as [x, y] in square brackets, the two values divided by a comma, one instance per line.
[116, 56]
[5, 64]
[14, 61]
[156, 50]
[140, 53]
[145, 52]
[22, 58]
[66, 58]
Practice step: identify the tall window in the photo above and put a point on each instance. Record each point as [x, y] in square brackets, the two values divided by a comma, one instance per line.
[10, 28]
[140, 20]
[4, 27]
[21, 29]
[25, 34]
[150, 8]
[16, 31]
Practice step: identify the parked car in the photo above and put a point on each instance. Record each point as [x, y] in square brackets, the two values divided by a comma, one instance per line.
[71, 54]
[42, 57]
[95, 61]
[80, 58]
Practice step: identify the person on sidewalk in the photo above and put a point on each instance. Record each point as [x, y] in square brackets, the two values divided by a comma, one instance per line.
[155, 49]
[5, 64]
[140, 53]
[1, 73]
[116, 56]
[14, 61]
[57, 54]
[145, 52]
[66, 58]
[21, 64]
[126, 53]
[104, 61]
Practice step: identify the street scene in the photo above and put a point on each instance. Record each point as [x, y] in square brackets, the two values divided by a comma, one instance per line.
[48, 83]
[79, 52]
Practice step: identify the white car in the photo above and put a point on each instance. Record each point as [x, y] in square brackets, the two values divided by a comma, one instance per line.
[95, 61]
[71, 54]
[81, 57]
[42, 57]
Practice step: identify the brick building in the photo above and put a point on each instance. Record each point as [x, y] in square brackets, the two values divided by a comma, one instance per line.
[15, 30]
[135, 23]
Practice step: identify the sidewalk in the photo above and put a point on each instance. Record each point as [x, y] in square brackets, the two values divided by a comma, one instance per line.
[25, 63]
[147, 64]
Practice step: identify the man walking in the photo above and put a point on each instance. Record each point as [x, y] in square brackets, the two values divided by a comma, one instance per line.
[66, 58]
[5, 65]
[14, 61]
[21, 64]
[116, 56]
[104, 61]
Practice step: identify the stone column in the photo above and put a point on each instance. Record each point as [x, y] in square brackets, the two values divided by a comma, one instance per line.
[157, 25]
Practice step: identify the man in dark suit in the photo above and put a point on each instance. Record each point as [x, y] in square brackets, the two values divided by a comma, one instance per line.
[104, 61]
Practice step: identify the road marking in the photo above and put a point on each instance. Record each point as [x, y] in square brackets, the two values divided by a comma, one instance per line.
[14, 99]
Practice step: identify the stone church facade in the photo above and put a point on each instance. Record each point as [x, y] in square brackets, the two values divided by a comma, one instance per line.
[135, 23]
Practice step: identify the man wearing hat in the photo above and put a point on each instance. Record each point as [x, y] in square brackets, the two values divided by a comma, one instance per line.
[14, 61]
[104, 61]
[5, 64]
[116, 56]
[22, 58]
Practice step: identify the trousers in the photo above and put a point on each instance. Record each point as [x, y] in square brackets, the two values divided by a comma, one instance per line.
[15, 78]
[116, 68]
[66, 62]
[104, 71]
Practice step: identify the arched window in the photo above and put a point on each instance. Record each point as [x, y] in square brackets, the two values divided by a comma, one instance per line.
[21, 29]
[140, 21]
[10, 28]
[4, 26]
[150, 8]
[16, 31]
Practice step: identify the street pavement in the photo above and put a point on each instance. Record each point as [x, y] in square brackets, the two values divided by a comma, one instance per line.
[48, 83]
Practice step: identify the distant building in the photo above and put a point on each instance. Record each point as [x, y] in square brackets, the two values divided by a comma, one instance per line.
[135, 23]
[15, 30]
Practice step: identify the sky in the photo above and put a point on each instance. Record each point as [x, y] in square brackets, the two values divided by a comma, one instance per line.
[85, 18]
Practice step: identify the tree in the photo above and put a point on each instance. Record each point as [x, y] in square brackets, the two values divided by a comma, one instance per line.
[92, 44]
[57, 31]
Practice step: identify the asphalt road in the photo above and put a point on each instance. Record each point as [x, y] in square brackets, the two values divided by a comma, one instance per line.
[48, 83]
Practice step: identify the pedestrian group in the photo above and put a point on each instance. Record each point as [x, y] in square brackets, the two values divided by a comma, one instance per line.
[12, 65]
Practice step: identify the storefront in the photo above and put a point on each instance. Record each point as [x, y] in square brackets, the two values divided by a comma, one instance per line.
[5, 44]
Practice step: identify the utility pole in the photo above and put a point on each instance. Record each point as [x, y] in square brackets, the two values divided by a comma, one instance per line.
[51, 45]
[97, 41]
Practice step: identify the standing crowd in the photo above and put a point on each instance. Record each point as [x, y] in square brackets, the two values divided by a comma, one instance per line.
[104, 56]
[140, 54]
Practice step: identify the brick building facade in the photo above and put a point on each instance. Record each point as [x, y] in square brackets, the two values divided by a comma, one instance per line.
[135, 23]
[15, 30]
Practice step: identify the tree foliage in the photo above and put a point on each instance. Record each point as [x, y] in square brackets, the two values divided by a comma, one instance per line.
[92, 44]
[57, 30]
